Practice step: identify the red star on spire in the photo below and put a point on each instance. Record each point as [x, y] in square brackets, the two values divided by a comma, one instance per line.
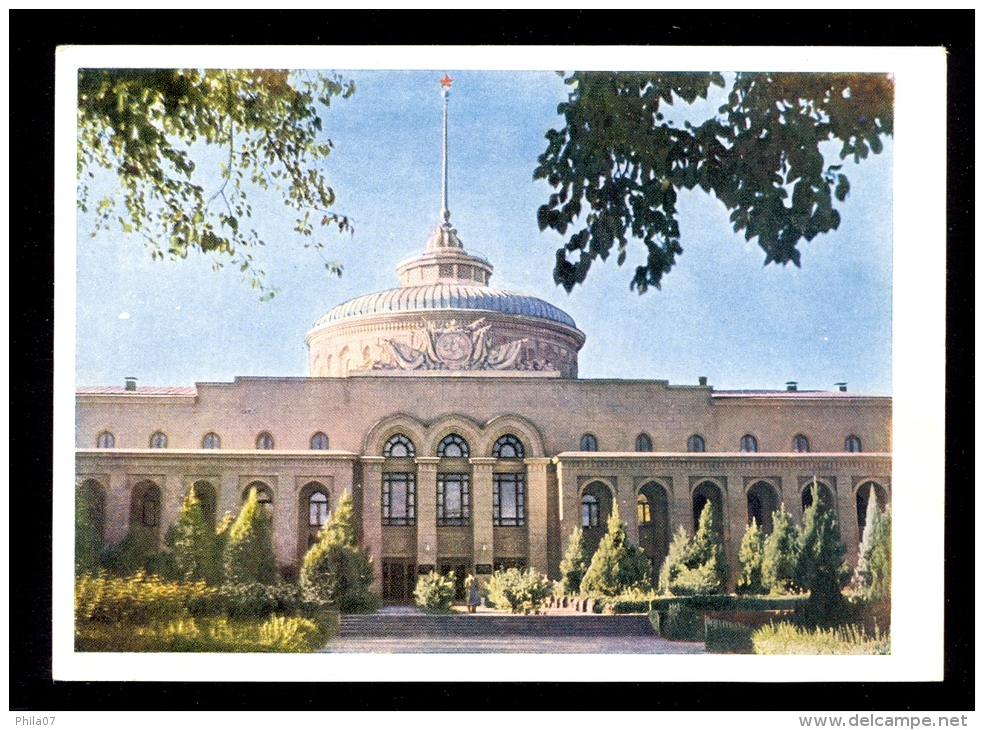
[446, 82]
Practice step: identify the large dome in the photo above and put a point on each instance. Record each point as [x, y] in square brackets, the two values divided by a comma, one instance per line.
[444, 317]
[446, 297]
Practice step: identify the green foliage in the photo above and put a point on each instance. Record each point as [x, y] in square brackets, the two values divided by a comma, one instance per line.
[820, 567]
[780, 554]
[682, 623]
[726, 637]
[519, 591]
[696, 566]
[143, 124]
[137, 599]
[873, 576]
[248, 556]
[575, 563]
[335, 570]
[621, 162]
[786, 638]
[725, 602]
[750, 558]
[88, 541]
[137, 551]
[194, 634]
[617, 565]
[197, 555]
[435, 592]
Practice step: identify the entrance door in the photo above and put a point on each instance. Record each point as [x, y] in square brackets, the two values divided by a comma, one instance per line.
[399, 579]
[461, 570]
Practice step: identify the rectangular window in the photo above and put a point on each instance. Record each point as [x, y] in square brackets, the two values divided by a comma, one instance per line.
[508, 500]
[453, 505]
[399, 498]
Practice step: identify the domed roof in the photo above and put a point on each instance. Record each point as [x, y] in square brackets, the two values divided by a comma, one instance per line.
[442, 296]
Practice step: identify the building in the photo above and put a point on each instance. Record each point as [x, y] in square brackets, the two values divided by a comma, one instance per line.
[453, 413]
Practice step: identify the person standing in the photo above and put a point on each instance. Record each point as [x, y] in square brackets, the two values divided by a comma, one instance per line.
[474, 596]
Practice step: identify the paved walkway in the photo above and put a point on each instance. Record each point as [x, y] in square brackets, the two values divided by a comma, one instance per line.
[513, 645]
[395, 636]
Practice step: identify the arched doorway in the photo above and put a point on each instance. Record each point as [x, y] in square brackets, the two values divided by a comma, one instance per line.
[862, 495]
[706, 492]
[314, 507]
[145, 507]
[596, 508]
[205, 494]
[762, 501]
[654, 523]
[826, 496]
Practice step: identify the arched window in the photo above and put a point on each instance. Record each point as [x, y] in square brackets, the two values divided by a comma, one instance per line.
[748, 444]
[508, 447]
[398, 447]
[452, 446]
[210, 441]
[801, 444]
[319, 442]
[158, 440]
[645, 514]
[643, 442]
[105, 440]
[589, 442]
[317, 509]
[852, 444]
[264, 441]
[695, 444]
[654, 523]
[589, 511]
[761, 501]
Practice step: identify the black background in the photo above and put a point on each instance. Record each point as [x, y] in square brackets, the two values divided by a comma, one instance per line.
[33, 36]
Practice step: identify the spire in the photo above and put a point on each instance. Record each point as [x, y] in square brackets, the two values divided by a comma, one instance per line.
[445, 236]
[445, 213]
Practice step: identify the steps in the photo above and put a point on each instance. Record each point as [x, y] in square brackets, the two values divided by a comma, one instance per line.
[492, 626]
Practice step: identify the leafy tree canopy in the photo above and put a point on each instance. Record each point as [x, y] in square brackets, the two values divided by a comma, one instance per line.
[141, 123]
[621, 162]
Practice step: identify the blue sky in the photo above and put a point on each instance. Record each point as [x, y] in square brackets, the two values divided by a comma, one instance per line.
[720, 313]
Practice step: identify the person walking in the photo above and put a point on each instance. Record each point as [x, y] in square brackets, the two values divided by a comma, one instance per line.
[474, 596]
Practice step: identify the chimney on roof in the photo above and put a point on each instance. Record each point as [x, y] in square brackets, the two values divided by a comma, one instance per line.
[131, 382]
[702, 380]
[791, 385]
[842, 387]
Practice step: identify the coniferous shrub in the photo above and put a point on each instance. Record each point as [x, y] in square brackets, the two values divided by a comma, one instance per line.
[575, 563]
[435, 592]
[682, 623]
[697, 566]
[194, 545]
[617, 565]
[873, 576]
[518, 591]
[820, 567]
[137, 551]
[335, 570]
[248, 556]
[780, 554]
[88, 541]
[750, 558]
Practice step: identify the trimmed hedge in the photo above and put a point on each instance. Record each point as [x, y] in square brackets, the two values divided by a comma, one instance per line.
[726, 637]
[634, 604]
